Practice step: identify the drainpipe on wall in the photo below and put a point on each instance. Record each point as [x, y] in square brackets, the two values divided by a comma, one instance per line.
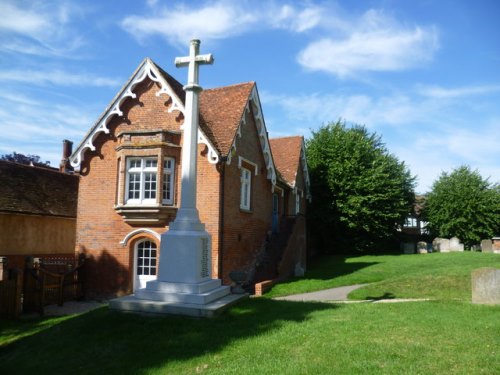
[222, 170]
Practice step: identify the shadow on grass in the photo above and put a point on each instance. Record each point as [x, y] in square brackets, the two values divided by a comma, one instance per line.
[329, 267]
[386, 295]
[104, 341]
[326, 267]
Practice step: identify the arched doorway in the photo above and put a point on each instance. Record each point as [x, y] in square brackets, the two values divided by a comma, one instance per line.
[145, 263]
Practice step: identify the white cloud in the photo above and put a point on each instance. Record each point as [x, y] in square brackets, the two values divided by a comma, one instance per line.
[32, 125]
[438, 92]
[297, 20]
[41, 28]
[426, 133]
[56, 77]
[375, 42]
[220, 20]
[180, 24]
[362, 109]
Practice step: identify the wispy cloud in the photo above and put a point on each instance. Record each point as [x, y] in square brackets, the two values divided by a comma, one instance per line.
[320, 108]
[438, 92]
[220, 20]
[42, 28]
[56, 77]
[426, 133]
[33, 125]
[375, 42]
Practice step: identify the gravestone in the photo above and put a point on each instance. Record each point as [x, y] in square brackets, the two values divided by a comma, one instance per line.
[455, 244]
[422, 247]
[486, 286]
[496, 245]
[441, 245]
[486, 246]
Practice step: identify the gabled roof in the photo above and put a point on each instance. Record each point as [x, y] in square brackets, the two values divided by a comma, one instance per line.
[287, 154]
[222, 112]
[146, 69]
[37, 191]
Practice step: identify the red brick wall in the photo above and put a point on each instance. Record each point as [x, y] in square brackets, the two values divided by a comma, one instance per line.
[245, 232]
[99, 227]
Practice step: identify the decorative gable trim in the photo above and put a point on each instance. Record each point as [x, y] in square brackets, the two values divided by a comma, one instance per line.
[213, 155]
[254, 106]
[147, 69]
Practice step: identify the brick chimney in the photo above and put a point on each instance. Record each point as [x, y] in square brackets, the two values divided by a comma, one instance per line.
[64, 165]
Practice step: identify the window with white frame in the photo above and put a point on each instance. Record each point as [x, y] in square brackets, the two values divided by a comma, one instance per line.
[146, 258]
[141, 180]
[246, 185]
[168, 181]
[297, 202]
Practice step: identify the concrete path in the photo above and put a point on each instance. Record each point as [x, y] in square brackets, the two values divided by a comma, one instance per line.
[334, 294]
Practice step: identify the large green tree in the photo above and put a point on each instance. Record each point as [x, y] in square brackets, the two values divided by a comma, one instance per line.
[361, 193]
[462, 204]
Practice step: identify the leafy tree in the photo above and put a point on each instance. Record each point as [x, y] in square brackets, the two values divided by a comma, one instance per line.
[361, 193]
[24, 159]
[462, 204]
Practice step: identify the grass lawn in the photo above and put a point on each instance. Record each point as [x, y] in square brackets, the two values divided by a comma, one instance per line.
[437, 275]
[265, 336]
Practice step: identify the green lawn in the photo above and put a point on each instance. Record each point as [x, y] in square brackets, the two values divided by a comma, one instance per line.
[265, 336]
[437, 275]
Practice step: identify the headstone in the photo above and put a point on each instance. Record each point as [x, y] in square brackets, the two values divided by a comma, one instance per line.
[486, 286]
[422, 247]
[475, 248]
[441, 245]
[486, 246]
[496, 245]
[408, 248]
[455, 244]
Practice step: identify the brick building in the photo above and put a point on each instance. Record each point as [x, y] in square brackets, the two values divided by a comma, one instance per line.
[37, 212]
[129, 165]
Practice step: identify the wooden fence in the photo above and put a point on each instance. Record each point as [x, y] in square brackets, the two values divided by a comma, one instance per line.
[10, 293]
[51, 280]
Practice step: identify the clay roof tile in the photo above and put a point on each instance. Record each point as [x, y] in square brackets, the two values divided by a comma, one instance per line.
[286, 155]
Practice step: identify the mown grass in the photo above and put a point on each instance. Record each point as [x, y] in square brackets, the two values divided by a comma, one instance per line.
[436, 275]
[262, 336]
[265, 336]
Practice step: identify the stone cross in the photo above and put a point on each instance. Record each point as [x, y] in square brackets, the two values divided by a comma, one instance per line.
[187, 216]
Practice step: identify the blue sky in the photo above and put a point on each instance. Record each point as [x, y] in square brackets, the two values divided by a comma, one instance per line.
[425, 75]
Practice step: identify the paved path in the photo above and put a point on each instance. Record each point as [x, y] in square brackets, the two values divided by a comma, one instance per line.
[334, 294]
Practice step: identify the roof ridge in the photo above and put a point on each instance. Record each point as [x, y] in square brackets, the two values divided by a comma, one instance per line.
[288, 136]
[232, 85]
[38, 167]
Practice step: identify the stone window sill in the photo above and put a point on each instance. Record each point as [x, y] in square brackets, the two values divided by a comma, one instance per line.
[152, 215]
